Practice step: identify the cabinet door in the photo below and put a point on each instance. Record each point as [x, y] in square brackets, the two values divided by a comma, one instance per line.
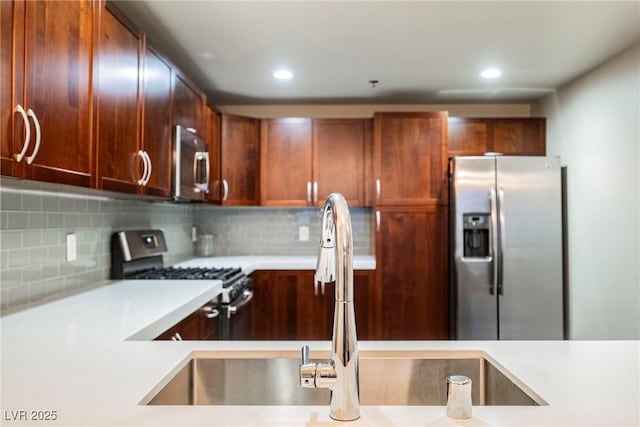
[119, 163]
[468, 137]
[272, 312]
[510, 136]
[519, 136]
[410, 158]
[411, 265]
[188, 105]
[157, 135]
[240, 160]
[285, 162]
[10, 143]
[59, 91]
[367, 305]
[339, 148]
[213, 123]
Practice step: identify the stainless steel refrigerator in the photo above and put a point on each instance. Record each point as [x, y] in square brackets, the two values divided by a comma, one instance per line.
[506, 235]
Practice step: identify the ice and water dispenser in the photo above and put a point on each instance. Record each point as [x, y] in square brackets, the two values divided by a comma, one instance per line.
[476, 235]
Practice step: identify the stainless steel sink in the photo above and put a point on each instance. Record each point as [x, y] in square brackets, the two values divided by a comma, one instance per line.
[384, 380]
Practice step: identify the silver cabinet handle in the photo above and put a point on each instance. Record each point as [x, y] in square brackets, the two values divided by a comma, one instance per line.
[309, 191]
[212, 313]
[147, 160]
[378, 189]
[315, 191]
[377, 220]
[176, 337]
[27, 132]
[225, 186]
[146, 167]
[36, 122]
[493, 250]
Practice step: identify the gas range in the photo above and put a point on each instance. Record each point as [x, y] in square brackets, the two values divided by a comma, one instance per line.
[137, 255]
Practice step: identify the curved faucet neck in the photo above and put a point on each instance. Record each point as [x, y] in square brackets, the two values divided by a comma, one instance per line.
[335, 262]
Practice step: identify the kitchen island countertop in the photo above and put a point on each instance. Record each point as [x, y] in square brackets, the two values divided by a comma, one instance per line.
[77, 359]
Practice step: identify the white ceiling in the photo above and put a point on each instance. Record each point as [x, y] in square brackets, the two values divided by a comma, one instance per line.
[421, 52]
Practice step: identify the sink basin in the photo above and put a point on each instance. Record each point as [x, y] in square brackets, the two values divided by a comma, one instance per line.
[413, 379]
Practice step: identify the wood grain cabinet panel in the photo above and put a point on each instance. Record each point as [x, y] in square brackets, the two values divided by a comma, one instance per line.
[188, 105]
[304, 160]
[157, 129]
[411, 253]
[240, 164]
[56, 94]
[120, 166]
[212, 136]
[286, 306]
[510, 136]
[340, 150]
[410, 158]
[285, 162]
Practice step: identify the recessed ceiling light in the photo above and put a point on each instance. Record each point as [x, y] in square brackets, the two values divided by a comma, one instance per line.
[491, 73]
[283, 74]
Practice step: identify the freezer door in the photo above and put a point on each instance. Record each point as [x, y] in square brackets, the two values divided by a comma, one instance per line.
[474, 289]
[530, 278]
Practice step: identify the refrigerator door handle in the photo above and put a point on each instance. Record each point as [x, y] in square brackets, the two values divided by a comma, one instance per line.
[493, 250]
[503, 233]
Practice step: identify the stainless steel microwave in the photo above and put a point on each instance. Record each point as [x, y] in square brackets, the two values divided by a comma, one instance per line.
[190, 166]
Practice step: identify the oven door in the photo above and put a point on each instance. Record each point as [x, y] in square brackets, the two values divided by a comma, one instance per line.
[190, 166]
[235, 318]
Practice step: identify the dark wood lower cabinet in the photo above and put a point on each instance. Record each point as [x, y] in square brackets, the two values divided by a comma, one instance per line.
[286, 307]
[196, 326]
[411, 263]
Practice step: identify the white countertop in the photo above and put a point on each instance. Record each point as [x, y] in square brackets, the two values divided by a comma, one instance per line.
[74, 356]
[250, 264]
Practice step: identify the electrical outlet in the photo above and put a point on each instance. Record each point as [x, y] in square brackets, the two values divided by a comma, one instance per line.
[303, 233]
[71, 247]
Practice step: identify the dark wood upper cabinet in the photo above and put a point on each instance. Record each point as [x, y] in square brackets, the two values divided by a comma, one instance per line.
[341, 153]
[212, 137]
[304, 160]
[119, 158]
[240, 164]
[509, 136]
[157, 122]
[9, 144]
[410, 163]
[188, 105]
[285, 162]
[55, 95]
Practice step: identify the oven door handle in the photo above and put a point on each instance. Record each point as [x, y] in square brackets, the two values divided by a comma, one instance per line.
[247, 295]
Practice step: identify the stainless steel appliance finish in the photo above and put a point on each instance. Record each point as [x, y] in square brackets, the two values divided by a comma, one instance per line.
[385, 380]
[335, 263]
[137, 255]
[506, 218]
[190, 166]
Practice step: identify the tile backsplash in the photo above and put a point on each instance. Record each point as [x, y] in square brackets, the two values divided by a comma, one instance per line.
[274, 231]
[35, 218]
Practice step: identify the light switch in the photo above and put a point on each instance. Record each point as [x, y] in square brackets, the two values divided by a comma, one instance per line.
[303, 233]
[72, 250]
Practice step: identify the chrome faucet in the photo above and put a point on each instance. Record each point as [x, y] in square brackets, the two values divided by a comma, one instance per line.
[335, 264]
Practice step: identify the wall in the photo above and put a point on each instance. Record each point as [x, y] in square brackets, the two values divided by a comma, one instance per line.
[34, 219]
[367, 110]
[593, 124]
[274, 231]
